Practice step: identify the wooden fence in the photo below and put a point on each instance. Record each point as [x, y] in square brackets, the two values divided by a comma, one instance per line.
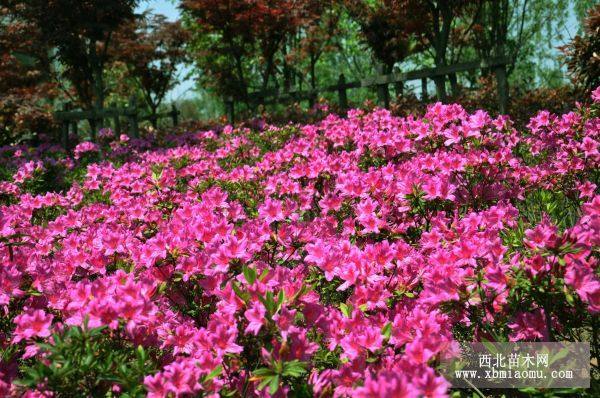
[496, 65]
[69, 118]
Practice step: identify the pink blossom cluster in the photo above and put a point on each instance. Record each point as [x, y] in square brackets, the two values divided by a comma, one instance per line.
[369, 240]
[87, 146]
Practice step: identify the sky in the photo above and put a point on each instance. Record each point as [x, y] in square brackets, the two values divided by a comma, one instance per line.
[165, 7]
[168, 8]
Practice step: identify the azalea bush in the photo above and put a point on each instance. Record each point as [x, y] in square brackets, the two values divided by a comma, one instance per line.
[342, 258]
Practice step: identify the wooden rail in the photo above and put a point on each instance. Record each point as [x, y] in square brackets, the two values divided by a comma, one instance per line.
[68, 118]
[274, 96]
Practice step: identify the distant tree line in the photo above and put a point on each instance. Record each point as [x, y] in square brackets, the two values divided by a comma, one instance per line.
[94, 53]
[246, 45]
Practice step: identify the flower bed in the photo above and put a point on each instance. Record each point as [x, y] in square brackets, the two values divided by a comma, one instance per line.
[346, 257]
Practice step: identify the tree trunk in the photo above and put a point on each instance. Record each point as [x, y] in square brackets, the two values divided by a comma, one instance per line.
[241, 78]
[502, 88]
[440, 88]
[287, 83]
[268, 71]
[98, 88]
[398, 86]
[271, 50]
[440, 46]
[154, 119]
[93, 127]
[313, 80]
[383, 94]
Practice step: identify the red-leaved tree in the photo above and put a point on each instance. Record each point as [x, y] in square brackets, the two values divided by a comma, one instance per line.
[80, 32]
[583, 53]
[26, 89]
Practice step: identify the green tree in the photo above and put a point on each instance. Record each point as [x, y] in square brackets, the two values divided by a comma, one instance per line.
[151, 48]
[386, 28]
[240, 45]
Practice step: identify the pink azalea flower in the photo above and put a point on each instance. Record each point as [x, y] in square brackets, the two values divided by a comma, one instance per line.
[85, 147]
[33, 323]
[529, 326]
[582, 278]
[596, 94]
[387, 384]
[271, 210]
[255, 317]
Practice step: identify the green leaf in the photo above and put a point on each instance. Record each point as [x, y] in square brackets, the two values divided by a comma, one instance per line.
[264, 274]
[238, 292]
[346, 310]
[280, 299]
[141, 356]
[559, 355]
[249, 274]
[88, 360]
[386, 331]
[25, 59]
[264, 302]
[162, 287]
[570, 298]
[263, 372]
[294, 368]
[274, 384]
[214, 373]
[269, 302]
[79, 354]
[265, 381]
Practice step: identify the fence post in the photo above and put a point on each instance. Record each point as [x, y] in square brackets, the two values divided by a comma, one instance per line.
[440, 87]
[383, 95]
[454, 88]
[502, 87]
[65, 135]
[424, 89]
[399, 85]
[133, 118]
[74, 131]
[342, 97]
[230, 110]
[116, 120]
[92, 122]
[174, 115]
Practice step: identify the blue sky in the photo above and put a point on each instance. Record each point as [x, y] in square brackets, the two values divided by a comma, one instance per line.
[164, 7]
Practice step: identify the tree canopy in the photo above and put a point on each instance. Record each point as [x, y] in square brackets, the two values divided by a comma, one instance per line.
[93, 52]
